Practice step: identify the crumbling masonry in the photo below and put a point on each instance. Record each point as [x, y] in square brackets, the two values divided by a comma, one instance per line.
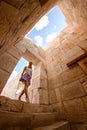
[59, 83]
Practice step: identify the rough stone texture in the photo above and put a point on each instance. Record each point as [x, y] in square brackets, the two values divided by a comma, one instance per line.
[79, 127]
[61, 125]
[72, 90]
[54, 79]
[73, 55]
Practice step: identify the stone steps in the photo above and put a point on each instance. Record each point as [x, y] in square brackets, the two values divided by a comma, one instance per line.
[26, 120]
[61, 125]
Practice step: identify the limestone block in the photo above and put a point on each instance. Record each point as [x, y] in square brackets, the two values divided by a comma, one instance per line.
[58, 69]
[3, 78]
[31, 57]
[15, 3]
[72, 90]
[75, 110]
[83, 64]
[36, 82]
[73, 55]
[7, 62]
[59, 108]
[57, 81]
[78, 127]
[7, 18]
[52, 96]
[10, 105]
[83, 81]
[83, 44]
[84, 99]
[15, 52]
[39, 82]
[38, 96]
[41, 52]
[44, 99]
[40, 69]
[73, 73]
[50, 83]
[36, 72]
[58, 94]
[43, 83]
[35, 98]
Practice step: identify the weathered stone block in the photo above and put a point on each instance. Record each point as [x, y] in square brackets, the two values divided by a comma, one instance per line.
[7, 62]
[10, 105]
[3, 78]
[15, 52]
[72, 90]
[59, 108]
[38, 96]
[39, 82]
[73, 55]
[58, 94]
[84, 99]
[78, 127]
[75, 110]
[52, 96]
[74, 73]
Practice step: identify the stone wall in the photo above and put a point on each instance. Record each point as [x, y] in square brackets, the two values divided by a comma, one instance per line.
[26, 49]
[37, 90]
[67, 81]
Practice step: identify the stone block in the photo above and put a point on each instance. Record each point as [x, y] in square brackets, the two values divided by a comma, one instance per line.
[75, 110]
[10, 105]
[36, 82]
[83, 64]
[73, 73]
[59, 108]
[40, 69]
[55, 81]
[7, 62]
[38, 96]
[35, 98]
[83, 44]
[73, 55]
[83, 81]
[39, 83]
[84, 100]
[3, 78]
[72, 90]
[78, 127]
[52, 96]
[58, 94]
[15, 52]
[44, 99]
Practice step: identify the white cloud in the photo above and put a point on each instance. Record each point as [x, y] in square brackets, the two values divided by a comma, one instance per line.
[50, 37]
[55, 27]
[39, 40]
[43, 22]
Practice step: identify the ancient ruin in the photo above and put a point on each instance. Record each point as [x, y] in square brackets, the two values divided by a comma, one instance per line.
[58, 94]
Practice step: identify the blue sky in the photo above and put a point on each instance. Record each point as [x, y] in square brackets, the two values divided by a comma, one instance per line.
[47, 28]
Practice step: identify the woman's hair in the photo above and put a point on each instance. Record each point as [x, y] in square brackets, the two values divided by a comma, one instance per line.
[30, 63]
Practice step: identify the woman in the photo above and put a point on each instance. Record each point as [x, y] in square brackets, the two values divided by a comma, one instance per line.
[26, 79]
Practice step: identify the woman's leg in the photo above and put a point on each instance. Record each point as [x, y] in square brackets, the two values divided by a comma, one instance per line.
[21, 95]
[26, 91]
[23, 83]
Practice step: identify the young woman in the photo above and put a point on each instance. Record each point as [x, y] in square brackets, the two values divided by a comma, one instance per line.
[26, 80]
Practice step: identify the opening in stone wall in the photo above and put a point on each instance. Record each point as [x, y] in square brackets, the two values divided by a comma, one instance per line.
[47, 28]
[11, 87]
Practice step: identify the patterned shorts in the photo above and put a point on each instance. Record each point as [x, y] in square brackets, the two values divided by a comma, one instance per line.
[25, 77]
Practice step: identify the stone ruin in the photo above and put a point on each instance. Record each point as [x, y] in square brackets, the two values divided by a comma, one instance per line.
[59, 83]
